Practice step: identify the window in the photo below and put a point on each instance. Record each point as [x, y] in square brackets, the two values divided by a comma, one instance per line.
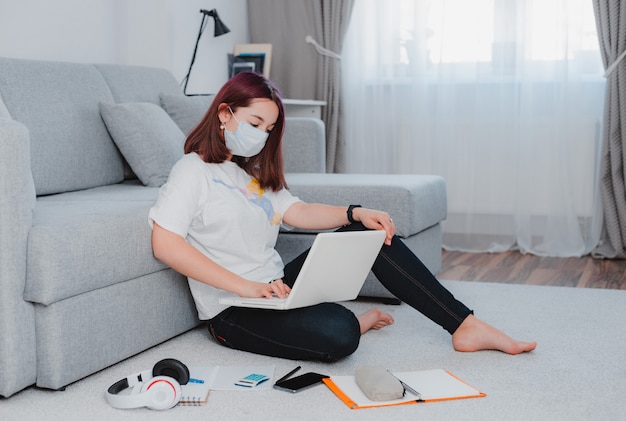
[489, 31]
[503, 98]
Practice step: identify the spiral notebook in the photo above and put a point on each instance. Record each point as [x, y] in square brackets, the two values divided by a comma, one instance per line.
[196, 391]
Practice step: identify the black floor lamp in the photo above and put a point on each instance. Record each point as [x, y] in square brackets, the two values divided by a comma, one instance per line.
[220, 29]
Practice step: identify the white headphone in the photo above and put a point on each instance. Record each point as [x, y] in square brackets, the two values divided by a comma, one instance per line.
[158, 388]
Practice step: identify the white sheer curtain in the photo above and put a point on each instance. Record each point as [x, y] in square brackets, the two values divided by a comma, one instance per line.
[504, 98]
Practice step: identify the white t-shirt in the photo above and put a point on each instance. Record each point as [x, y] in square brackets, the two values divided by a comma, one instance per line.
[222, 211]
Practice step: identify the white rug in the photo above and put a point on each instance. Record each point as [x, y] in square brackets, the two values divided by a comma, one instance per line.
[577, 372]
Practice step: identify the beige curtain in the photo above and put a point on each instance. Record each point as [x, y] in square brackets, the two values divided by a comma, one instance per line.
[611, 24]
[297, 68]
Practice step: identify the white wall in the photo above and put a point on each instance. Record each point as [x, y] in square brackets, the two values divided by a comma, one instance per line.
[160, 33]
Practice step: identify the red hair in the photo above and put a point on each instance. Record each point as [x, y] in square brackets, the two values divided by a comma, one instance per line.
[207, 139]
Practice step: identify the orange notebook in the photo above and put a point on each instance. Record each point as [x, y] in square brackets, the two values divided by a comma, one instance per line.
[432, 386]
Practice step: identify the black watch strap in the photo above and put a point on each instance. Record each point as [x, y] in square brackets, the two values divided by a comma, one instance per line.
[349, 213]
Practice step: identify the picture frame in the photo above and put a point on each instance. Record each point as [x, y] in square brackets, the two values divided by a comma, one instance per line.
[259, 54]
[250, 62]
[242, 66]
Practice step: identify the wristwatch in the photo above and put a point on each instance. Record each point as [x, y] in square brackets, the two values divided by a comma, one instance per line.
[349, 213]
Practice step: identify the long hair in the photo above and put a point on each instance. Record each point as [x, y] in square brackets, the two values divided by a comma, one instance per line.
[207, 139]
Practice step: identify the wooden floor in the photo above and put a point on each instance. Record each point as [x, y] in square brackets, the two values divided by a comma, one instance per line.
[516, 268]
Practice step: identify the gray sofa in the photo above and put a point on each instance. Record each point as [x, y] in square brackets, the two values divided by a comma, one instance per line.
[79, 287]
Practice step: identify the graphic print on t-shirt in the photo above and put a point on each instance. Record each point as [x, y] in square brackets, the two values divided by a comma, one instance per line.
[254, 194]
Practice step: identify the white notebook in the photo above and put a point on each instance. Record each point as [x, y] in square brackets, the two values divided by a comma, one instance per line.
[432, 385]
[204, 379]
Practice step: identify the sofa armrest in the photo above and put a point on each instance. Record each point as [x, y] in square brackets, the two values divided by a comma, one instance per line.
[414, 201]
[304, 145]
[17, 318]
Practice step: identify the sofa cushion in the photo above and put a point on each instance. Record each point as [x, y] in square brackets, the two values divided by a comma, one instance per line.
[58, 102]
[304, 148]
[186, 111]
[82, 241]
[415, 202]
[138, 83]
[147, 137]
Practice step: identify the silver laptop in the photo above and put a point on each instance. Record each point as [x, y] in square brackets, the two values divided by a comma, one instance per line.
[334, 270]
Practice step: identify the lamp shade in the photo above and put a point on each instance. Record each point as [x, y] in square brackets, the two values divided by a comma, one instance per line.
[220, 28]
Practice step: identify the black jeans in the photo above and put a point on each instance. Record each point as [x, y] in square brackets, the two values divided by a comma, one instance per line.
[329, 331]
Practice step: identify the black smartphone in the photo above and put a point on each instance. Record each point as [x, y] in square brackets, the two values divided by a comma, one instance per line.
[301, 382]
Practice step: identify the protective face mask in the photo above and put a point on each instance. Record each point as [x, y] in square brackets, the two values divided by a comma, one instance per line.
[246, 141]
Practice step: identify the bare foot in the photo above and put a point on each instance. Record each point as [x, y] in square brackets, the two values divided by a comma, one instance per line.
[476, 335]
[374, 319]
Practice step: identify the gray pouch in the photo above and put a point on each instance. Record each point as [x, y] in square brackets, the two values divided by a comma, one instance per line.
[378, 384]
